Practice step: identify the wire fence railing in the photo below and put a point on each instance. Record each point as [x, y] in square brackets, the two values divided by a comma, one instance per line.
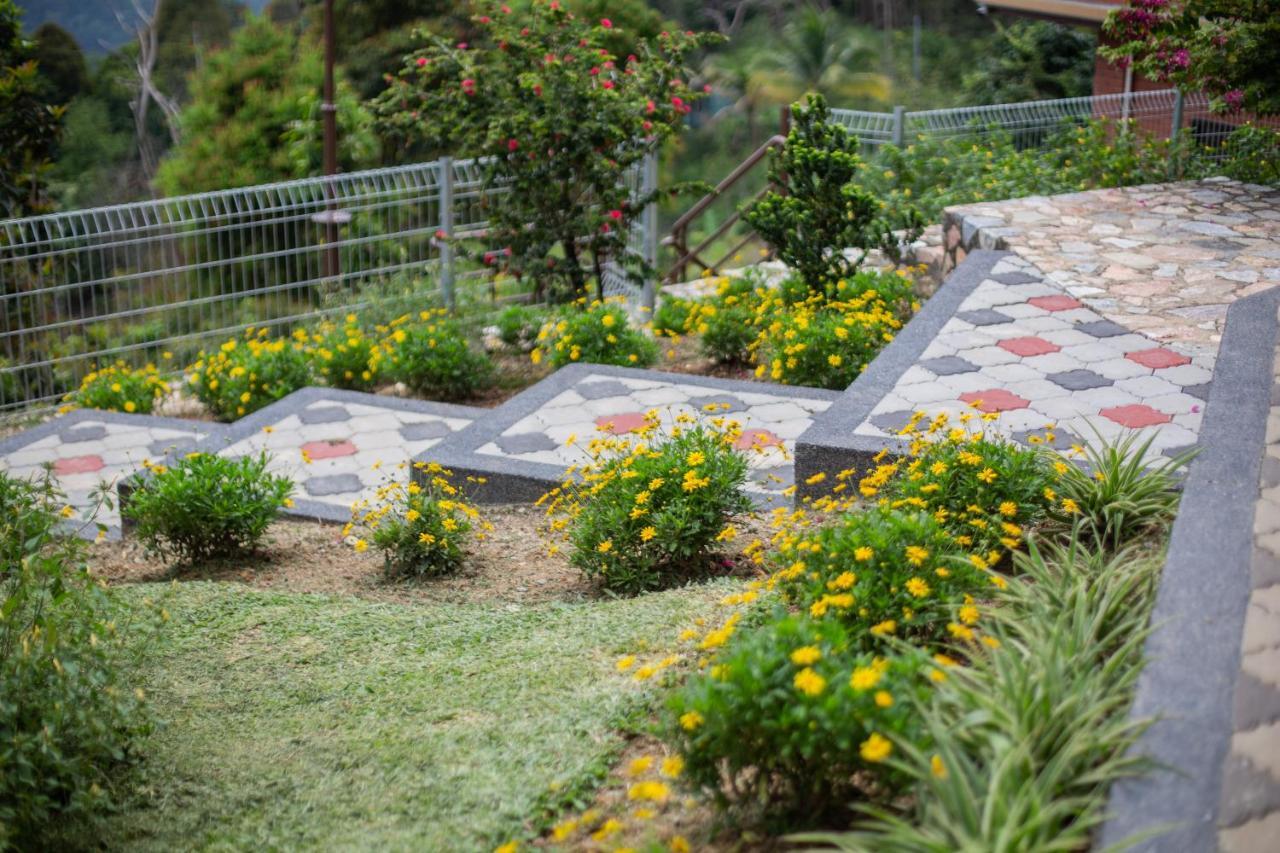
[157, 281]
[1162, 113]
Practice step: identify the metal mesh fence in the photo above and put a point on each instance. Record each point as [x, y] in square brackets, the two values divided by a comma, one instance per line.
[157, 281]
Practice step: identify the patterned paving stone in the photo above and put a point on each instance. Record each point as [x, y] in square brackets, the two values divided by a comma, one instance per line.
[525, 442]
[425, 431]
[333, 484]
[84, 433]
[619, 424]
[1079, 380]
[1136, 416]
[1059, 302]
[994, 400]
[601, 389]
[723, 403]
[1102, 329]
[1028, 346]
[1157, 358]
[68, 465]
[330, 449]
[985, 317]
[1058, 439]
[948, 365]
[323, 414]
[892, 422]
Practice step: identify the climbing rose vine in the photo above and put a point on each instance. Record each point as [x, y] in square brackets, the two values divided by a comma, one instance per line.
[560, 119]
[1227, 48]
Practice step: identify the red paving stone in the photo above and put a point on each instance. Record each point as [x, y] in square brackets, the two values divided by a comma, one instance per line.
[994, 400]
[328, 449]
[1055, 303]
[1136, 415]
[621, 424]
[78, 465]
[1158, 358]
[757, 438]
[1027, 347]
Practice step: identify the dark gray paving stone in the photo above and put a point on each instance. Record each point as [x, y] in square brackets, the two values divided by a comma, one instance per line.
[1016, 278]
[721, 400]
[324, 415]
[334, 484]
[1102, 329]
[1257, 703]
[1062, 439]
[1172, 452]
[1248, 792]
[1079, 380]
[84, 433]
[1200, 392]
[948, 364]
[601, 388]
[1270, 471]
[984, 317]
[165, 446]
[525, 442]
[891, 422]
[424, 431]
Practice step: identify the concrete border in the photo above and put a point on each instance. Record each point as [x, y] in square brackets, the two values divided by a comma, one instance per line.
[1193, 653]
[290, 404]
[509, 480]
[830, 444]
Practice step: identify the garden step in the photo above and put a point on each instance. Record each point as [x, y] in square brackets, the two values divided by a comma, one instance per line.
[86, 448]
[522, 448]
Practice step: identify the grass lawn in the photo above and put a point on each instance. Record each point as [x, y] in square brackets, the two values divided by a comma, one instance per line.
[305, 721]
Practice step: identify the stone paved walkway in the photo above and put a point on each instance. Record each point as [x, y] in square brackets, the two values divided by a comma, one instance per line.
[1249, 814]
[1163, 260]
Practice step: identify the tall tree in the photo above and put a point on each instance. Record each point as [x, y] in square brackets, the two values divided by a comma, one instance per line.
[1032, 61]
[254, 116]
[61, 63]
[818, 52]
[30, 126]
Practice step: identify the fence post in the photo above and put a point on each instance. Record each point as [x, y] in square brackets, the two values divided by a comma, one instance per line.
[649, 222]
[1177, 116]
[446, 226]
[899, 131]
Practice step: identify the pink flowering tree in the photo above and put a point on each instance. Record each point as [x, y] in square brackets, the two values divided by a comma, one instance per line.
[560, 118]
[1227, 48]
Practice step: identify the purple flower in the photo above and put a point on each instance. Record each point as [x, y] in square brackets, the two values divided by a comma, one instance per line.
[1234, 98]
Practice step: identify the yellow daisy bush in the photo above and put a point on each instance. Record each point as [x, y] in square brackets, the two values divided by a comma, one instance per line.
[119, 388]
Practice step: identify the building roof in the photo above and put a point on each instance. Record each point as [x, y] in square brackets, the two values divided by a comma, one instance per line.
[1063, 11]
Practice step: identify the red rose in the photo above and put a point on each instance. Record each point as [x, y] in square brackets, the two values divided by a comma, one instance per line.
[422, 60]
[513, 144]
[615, 214]
[608, 84]
[606, 23]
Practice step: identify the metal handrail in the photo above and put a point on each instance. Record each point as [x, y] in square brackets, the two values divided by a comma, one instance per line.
[679, 236]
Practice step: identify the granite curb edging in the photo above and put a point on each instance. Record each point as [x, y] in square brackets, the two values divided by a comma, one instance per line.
[1193, 652]
[830, 445]
[510, 480]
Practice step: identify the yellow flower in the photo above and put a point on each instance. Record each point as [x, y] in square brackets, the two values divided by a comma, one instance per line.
[1008, 508]
[883, 698]
[806, 655]
[678, 844]
[68, 511]
[809, 682]
[917, 587]
[605, 547]
[361, 545]
[863, 554]
[937, 768]
[987, 475]
[886, 627]
[625, 663]
[691, 720]
[916, 555]
[672, 766]
[509, 847]
[130, 406]
[875, 748]
[648, 533]
[651, 791]
[1070, 506]
[639, 766]
[696, 458]
[864, 678]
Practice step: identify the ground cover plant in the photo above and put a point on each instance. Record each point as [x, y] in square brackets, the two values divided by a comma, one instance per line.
[206, 506]
[648, 511]
[245, 374]
[599, 333]
[433, 357]
[71, 712]
[421, 528]
[118, 388]
[754, 695]
[345, 355]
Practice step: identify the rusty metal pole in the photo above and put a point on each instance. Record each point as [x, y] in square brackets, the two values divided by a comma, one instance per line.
[329, 110]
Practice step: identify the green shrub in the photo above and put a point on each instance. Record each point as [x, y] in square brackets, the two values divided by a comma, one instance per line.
[1024, 743]
[671, 320]
[791, 722]
[69, 712]
[119, 388]
[344, 356]
[986, 490]
[727, 332]
[420, 529]
[884, 573]
[518, 326]
[820, 210]
[1120, 495]
[206, 506]
[600, 333]
[433, 357]
[649, 514]
[245, 375]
